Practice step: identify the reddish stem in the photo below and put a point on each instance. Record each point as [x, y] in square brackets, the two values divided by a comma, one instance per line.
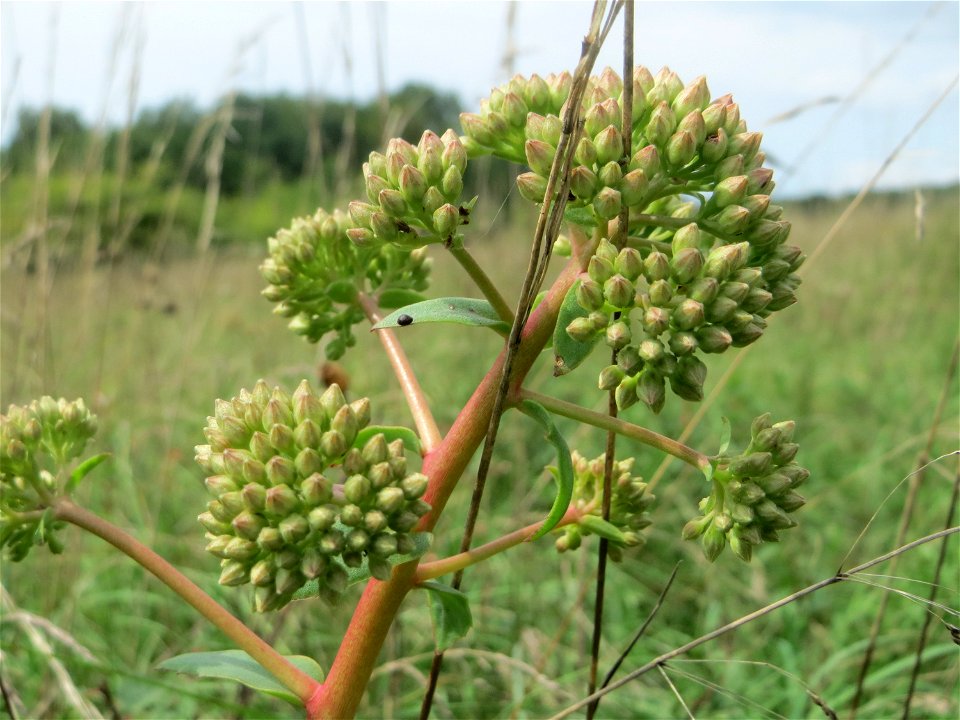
[347, 679]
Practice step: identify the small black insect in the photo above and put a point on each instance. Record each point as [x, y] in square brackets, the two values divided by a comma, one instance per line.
[404, 320]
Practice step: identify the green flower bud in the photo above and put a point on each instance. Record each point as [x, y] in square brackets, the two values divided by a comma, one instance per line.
[618, 291]
[738, 321]
[746, 335]
[752, 465]
[647, 159]
[713, 542]
[589, 295]
[232, 503]
[269, 539]
[681, 149]
[721, 309]
[281, 438]
[633, 187]
[241, 549]
[212, 524]
[651, 351]
[586, 153]
[540, 156]
[599, 269]
[254, 496]
[373, 185]
[694, 96]
[745, 143]
[611, 175]
[446, 218]
[628, 360]
[288, 581]
[686, 265]
[741, 547]
[357, 540]
[345, 423]
[233, 573]
[626, 392]
[384, 227]
[704, 290]
[380, 569]
[476, 129]
[262, 573]
[384, 545]
[452, 184]
[726, 259]
[316, 490]
[607, 203]
[785, 453]
[248, 525]
[219, 511]
[740, 513]
[730, 191]
[533, 187]
[218, 545]
[332, 543]
[429, 163]
[694, 124]
[414, 486]
[219, 484]
[660, 126]
[760, 181]
[374, 522]
[333, 444]
[261, 447]
[695, 527]
[356, 489]
[714, 148]
[656, 267]
[610, 377]
[322, 518]
[583, 183]
[683, 343]
[581, 329]
[381, 475]
[313, 564]
[618, 335]
[651, 389]
[390, 500]
[393, 203]
[281, 500]
[797, 475]
[688, 315]
[774, 483]
[713, 339]
[404, 521]
[655, 320]
[687, 381]
[307, 434]
[771, 514]
[791, 501]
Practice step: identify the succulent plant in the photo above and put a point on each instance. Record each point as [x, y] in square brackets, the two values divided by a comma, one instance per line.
[297, 497]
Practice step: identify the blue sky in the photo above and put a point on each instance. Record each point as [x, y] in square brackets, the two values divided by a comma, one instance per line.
[895, 57]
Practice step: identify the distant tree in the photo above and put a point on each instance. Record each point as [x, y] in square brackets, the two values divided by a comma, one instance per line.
[68, 140]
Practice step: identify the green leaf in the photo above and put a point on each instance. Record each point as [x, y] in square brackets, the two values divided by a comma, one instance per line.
[390, 432]
[84, 468]
[725, 435]
[238, 666]
[450, 611]
[399, 297]
[564, 474]
[569, 353]
[582, 216]
[421, 541]
[598, 526]
[462, 311]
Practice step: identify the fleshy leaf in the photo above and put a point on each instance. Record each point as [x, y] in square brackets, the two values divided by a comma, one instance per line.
[422, 541]
[459, 310]
[581, 216]
[450, 612]
[564, 473]
[236, 665]
[569, 353]
[390, 432]
[84, 469]
[598, 526]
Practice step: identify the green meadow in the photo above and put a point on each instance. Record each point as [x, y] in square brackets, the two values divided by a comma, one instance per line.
[152, 336]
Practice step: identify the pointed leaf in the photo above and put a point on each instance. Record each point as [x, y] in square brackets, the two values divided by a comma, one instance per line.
[725, 436]
[564, 473]
[390, 432]
[462, 311]
[450, 612]
[582, 216]
[236, 665]
[84, 469]
[421, 541]
[598, 526]
[569, 353]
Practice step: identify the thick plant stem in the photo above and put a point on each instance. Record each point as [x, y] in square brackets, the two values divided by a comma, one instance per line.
[445, 566]
[621, 427]
[347, 678]
[483, 282]
[416, 400]
[287, 674]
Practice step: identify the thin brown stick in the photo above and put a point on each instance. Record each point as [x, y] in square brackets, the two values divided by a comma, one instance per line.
[623, 224]
[548, 225]
[928, 618]
[756, 614]
[905, 517]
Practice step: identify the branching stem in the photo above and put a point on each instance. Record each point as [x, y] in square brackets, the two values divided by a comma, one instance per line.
[287, 674]
[416, 400]
[621, 427]
[445, 566]
[483, 282]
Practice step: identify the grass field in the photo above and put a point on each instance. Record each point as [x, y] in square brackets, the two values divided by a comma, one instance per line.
[859, 363]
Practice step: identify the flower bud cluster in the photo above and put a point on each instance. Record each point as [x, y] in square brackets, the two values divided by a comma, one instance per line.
[629, 504]
[315, 272]
[413, 193]
[753, 495]
[37, 441]
[661, 308]
[278, 518]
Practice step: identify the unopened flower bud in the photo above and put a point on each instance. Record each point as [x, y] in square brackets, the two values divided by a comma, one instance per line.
[581, 329]
[610, 377]
[607, 203]
[686, 264]
[713, 542]
[746, 144]
[618, 291]
[233, 573]
[660, 126]
[655, 319]
[626, 392]
[269, 539]
[533, 187]
[752, 465]
[681, 149]
[262, 573]
[322, 518]
[280, 501]
[714, 148]
[540, 156]
[656, 266]
[651, 390]
[687, 381]
[618, 335]
[414, 486]
[713, 339]
[248, 525]
[688, 315]
[791, 501]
